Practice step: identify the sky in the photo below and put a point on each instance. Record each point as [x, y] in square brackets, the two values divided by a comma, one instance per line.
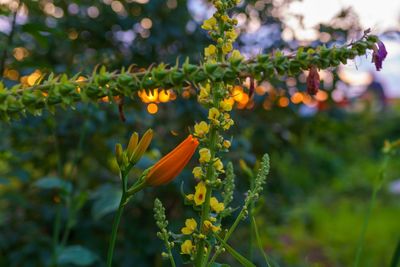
[380, 16]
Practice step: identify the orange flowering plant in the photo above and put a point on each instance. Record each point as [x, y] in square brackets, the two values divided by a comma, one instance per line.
[165, 170]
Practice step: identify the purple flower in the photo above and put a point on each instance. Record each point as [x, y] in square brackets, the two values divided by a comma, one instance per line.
[379, 55]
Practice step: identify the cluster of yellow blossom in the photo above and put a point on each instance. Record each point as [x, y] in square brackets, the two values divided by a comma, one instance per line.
[218, 98]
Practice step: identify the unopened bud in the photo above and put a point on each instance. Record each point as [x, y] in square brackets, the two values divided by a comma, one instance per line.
[133, 142]
[141, 147]
[164, 255]
[118, 154]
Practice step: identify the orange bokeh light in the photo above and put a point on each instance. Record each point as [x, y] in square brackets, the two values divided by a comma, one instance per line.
[152, 108]
[321, 95]
[164, 96]
[283, 102]
[152, 96]
[297, 98]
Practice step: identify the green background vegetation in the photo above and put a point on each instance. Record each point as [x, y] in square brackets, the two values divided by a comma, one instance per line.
[58, 177]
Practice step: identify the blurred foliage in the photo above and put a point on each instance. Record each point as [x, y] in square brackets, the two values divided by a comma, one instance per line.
[58, 178]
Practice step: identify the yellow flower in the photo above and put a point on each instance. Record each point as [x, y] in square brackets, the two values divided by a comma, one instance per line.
[201, 129]
[200, 194]
[190, 197]
[190, 226]
[226, 105]
[226, 48]
[187, 247]
[210, 50]
[213, 115]
[197, 172]
[216, 206]
[204, 93]
[205, 155]
[218, 165]
[236, 54]
[209, 24]
[224, 18]
[226, 143]
[227, 122]
[232, 35]
[209, 226]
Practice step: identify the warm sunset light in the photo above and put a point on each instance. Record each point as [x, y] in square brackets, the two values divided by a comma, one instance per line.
[152, 96]
[152, 108]
[164, 96]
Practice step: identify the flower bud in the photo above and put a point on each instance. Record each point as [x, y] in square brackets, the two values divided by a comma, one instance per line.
[118, 154]
[133, 142]
[142, 146]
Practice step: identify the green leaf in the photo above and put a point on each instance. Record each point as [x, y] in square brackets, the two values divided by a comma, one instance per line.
[245, 262]
[259, 243]
[107, 200]
[77, 255]
[53, 183]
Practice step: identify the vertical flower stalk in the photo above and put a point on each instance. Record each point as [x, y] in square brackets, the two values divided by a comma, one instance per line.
[214, 96]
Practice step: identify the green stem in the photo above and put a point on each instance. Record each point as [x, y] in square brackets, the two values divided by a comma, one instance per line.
[114, 231]
[126, 194]
[205, 212]
[364, 228]
[228, 235]
[251, 221]
[170, 256]
[377, 186]
[395, 262]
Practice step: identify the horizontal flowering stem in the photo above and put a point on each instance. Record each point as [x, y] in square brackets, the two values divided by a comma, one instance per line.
[67, 91]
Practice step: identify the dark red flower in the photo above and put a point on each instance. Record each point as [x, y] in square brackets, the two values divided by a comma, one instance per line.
[379, 55]
[313, 81]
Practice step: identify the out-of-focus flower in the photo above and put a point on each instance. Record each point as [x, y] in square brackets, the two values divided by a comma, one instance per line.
[209, 24]
[226, 105]
[216, 205]
[313, 81]
[226, 143]
[379, 55]
[201, 129]
[197, 172]
[205, 155]
[218, 165]
[187, 247]
[204, 93]
[190, 226]
[200, 193]
[210, 50]
[209, 226]
[232, 35]
[236, 55]
[168, 167]
[227, 47]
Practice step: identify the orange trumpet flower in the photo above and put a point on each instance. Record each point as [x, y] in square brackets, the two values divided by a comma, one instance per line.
[168, 167]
